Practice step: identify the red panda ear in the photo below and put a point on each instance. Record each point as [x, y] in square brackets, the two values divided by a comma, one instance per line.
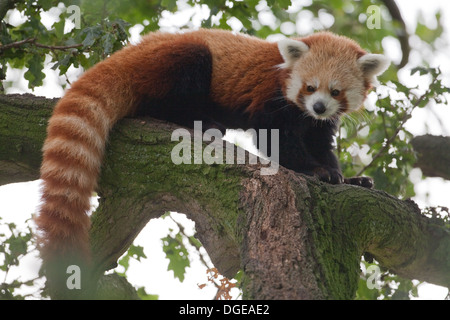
[291, 50]
[373, 64]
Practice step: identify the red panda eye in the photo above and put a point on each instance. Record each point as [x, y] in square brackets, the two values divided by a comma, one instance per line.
[310, 89]
[335, 93]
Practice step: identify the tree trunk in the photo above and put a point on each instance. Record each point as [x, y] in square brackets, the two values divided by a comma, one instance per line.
[433, 155]
[293, 236]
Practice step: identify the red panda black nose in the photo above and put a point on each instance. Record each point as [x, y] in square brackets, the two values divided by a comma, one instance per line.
[319, 107]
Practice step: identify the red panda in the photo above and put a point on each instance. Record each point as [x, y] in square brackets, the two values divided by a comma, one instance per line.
[228, 80]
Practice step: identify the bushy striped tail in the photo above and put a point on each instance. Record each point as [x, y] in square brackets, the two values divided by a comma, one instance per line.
[78, 130]
[72, 155]
[73, 152]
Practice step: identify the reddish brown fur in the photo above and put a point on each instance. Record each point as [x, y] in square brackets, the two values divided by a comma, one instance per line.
[245, 73]
[344, 47]
[113, 89]
[344, 51]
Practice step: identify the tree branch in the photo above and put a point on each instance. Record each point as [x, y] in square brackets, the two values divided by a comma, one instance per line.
[32, 41]
[293, 236]
[402, 33]
[433, 155]
[23, 119]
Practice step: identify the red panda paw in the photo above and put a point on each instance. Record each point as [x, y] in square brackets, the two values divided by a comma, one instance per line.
[330, 175]
[365, 182]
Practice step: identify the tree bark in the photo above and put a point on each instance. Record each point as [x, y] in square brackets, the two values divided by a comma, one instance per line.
[293, 236]
[433, 155]
[23, 120]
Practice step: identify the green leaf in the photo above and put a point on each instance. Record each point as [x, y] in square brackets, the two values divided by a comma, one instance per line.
[171, 5]
[284, 4]
[420, 70]
[92, 35]
[177, 254]
[63, 63]
[143, 295]
[122, 29]
[34, 75]
[429, 35]
[108, 43]
[58, 27]
[46, 4]
[135, 252]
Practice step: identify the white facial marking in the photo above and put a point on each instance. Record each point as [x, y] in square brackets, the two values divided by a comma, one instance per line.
[354, 98]
[293, 88]
[331, 105]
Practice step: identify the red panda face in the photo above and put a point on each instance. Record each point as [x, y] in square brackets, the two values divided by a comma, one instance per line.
[320, 99]
[329, 75]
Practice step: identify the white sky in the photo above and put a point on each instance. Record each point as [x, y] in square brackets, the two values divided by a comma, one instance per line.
[19, 200]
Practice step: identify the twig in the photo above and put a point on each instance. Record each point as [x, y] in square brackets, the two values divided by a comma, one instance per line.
[32, 41]
[73, 46]
[16, 44]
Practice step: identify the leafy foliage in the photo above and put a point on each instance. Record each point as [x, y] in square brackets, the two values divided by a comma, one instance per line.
[14, 245]
[383, 135]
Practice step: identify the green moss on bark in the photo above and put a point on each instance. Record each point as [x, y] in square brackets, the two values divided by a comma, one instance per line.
[23, 120]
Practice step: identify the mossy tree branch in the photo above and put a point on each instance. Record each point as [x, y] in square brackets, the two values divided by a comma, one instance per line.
[433, 155]
[293, 237]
